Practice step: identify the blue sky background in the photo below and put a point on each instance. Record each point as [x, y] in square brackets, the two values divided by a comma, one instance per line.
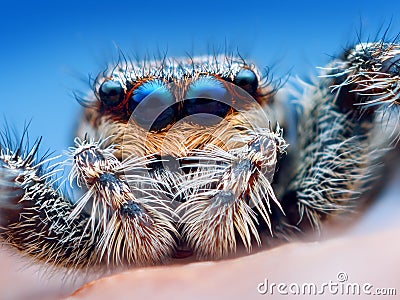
[48, 48]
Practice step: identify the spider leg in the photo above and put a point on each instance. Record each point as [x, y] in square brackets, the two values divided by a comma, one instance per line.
[35, 215]
[341, 141]
[135, 225]
[113, 223]
[229, 193]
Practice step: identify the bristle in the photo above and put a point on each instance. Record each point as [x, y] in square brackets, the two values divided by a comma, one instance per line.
[143, 236]
[372, 70]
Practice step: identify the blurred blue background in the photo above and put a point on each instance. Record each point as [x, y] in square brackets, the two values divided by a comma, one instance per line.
[49, 48]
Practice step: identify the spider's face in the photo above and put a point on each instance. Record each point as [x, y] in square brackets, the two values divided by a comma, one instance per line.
[171, 107]
[200, 128]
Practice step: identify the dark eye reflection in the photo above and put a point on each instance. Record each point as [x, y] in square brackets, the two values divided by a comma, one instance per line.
[206, 96]
[247, 80]
[153, 106]
[111, 93]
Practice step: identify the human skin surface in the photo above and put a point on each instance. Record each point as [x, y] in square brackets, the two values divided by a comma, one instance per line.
[367, 259]
[371, 258]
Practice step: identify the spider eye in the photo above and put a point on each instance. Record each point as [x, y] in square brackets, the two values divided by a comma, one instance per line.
[247, 80]
[206, 95]
[152, 105]
[111, 93]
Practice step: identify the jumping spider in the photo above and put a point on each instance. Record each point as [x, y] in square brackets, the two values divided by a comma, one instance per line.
[189, 155]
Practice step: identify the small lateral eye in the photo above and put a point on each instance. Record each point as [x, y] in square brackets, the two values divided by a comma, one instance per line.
[111, 93]
[152, 105]
[247, 80]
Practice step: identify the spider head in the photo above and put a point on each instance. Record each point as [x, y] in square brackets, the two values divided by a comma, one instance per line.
[202, 126]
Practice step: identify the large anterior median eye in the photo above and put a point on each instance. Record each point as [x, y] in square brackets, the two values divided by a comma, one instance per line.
[206, 95]
[152, 105]
[247, 80]
[111, 93]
